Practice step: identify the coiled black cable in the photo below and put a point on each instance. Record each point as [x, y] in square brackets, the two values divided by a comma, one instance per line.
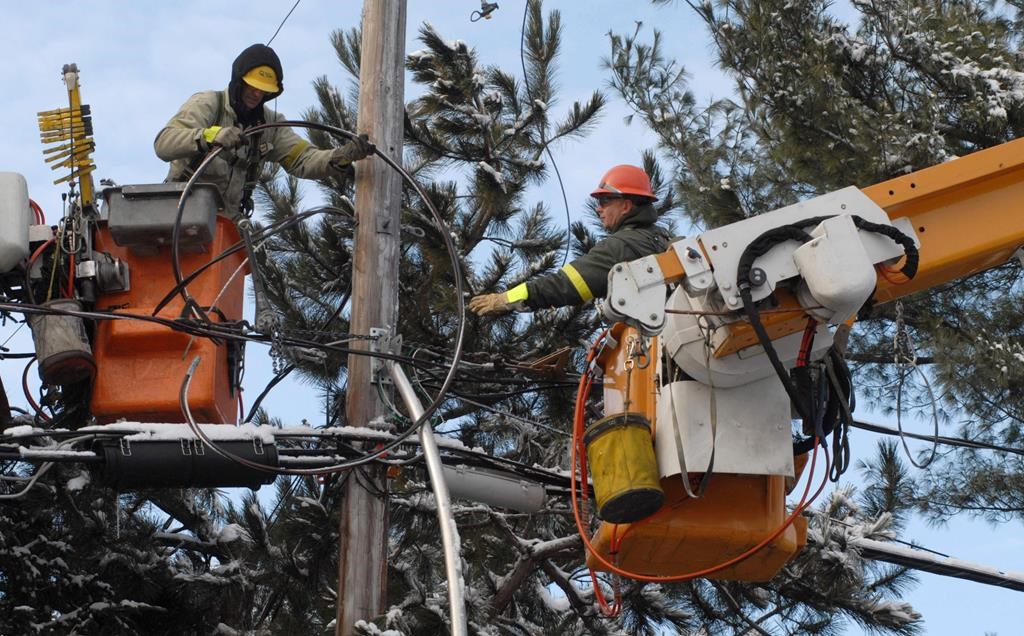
[190, 303]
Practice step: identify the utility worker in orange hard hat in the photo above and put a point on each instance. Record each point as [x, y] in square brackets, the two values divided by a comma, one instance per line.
[625, 205]
[218, 118]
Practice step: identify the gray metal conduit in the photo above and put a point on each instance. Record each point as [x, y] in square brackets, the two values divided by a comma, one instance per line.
[445, 517]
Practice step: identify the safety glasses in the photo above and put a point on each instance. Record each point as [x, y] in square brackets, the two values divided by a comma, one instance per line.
[605, 199]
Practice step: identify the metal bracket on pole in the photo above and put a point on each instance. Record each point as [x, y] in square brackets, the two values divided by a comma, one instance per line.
[384, 341]
[445, 516]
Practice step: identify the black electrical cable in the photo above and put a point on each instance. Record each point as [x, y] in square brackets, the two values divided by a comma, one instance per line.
[842, 393]
[794, 232]
[277, 379]
[211, 330]
[909, 268]
[456, 274]
[558, 174]
[948, 441]
[263, 234]
[283, 21]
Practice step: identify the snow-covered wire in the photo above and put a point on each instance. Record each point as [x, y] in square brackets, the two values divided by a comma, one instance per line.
[552, 429]
[42, 470]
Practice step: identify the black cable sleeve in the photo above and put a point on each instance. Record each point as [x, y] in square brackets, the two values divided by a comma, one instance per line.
[909, 268]
[762, 244]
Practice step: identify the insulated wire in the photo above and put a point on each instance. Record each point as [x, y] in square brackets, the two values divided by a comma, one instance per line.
[513, 416]
[210, 330]
[526, 84]
[438, 220]
[28, 393]
[283, 21]
[456, 272]
[263, 234]
[948, 441]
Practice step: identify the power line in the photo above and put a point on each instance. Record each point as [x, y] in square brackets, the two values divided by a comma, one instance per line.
[547, 149]
[283, 21]
[943, 566]
[913, 557]
[513, 416]
[948, 441]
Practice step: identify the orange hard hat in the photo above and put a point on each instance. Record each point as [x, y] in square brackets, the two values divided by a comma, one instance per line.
[625, 179]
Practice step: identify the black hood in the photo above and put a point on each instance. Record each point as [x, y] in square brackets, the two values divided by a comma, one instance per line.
[250, 58]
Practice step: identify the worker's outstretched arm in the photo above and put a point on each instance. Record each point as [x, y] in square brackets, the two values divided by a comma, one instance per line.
[301, 159]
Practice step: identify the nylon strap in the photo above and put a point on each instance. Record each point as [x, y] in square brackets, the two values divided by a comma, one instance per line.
[680, 453]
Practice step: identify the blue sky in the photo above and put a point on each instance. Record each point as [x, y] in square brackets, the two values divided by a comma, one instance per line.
[139, 61]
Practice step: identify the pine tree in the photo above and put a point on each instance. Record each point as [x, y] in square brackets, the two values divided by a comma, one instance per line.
[76, 557]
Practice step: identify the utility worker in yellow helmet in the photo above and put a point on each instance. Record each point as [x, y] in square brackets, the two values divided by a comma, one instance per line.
[624, 203]
[218, 118]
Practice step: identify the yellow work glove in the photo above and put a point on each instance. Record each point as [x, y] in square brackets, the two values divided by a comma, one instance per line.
[490, 304]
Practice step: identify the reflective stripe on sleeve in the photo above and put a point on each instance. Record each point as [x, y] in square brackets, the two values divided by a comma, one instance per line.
[294, 154]
[517, 294]
[577, 281]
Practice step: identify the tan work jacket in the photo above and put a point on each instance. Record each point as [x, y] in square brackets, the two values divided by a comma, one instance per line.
[181, 142]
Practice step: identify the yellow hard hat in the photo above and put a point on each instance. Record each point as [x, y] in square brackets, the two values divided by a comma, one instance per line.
[263, 78]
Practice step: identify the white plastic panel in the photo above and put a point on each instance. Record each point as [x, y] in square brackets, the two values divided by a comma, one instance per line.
[752, 429]
[15, 217]
[836, 270]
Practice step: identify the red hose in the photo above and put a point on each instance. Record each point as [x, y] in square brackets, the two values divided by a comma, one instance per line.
[38, 212]
[71, 276]
[28, 394]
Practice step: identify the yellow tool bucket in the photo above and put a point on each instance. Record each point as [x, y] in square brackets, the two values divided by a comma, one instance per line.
[620, 453]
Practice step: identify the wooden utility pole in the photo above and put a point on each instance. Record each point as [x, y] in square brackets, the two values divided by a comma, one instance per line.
[362, 558]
